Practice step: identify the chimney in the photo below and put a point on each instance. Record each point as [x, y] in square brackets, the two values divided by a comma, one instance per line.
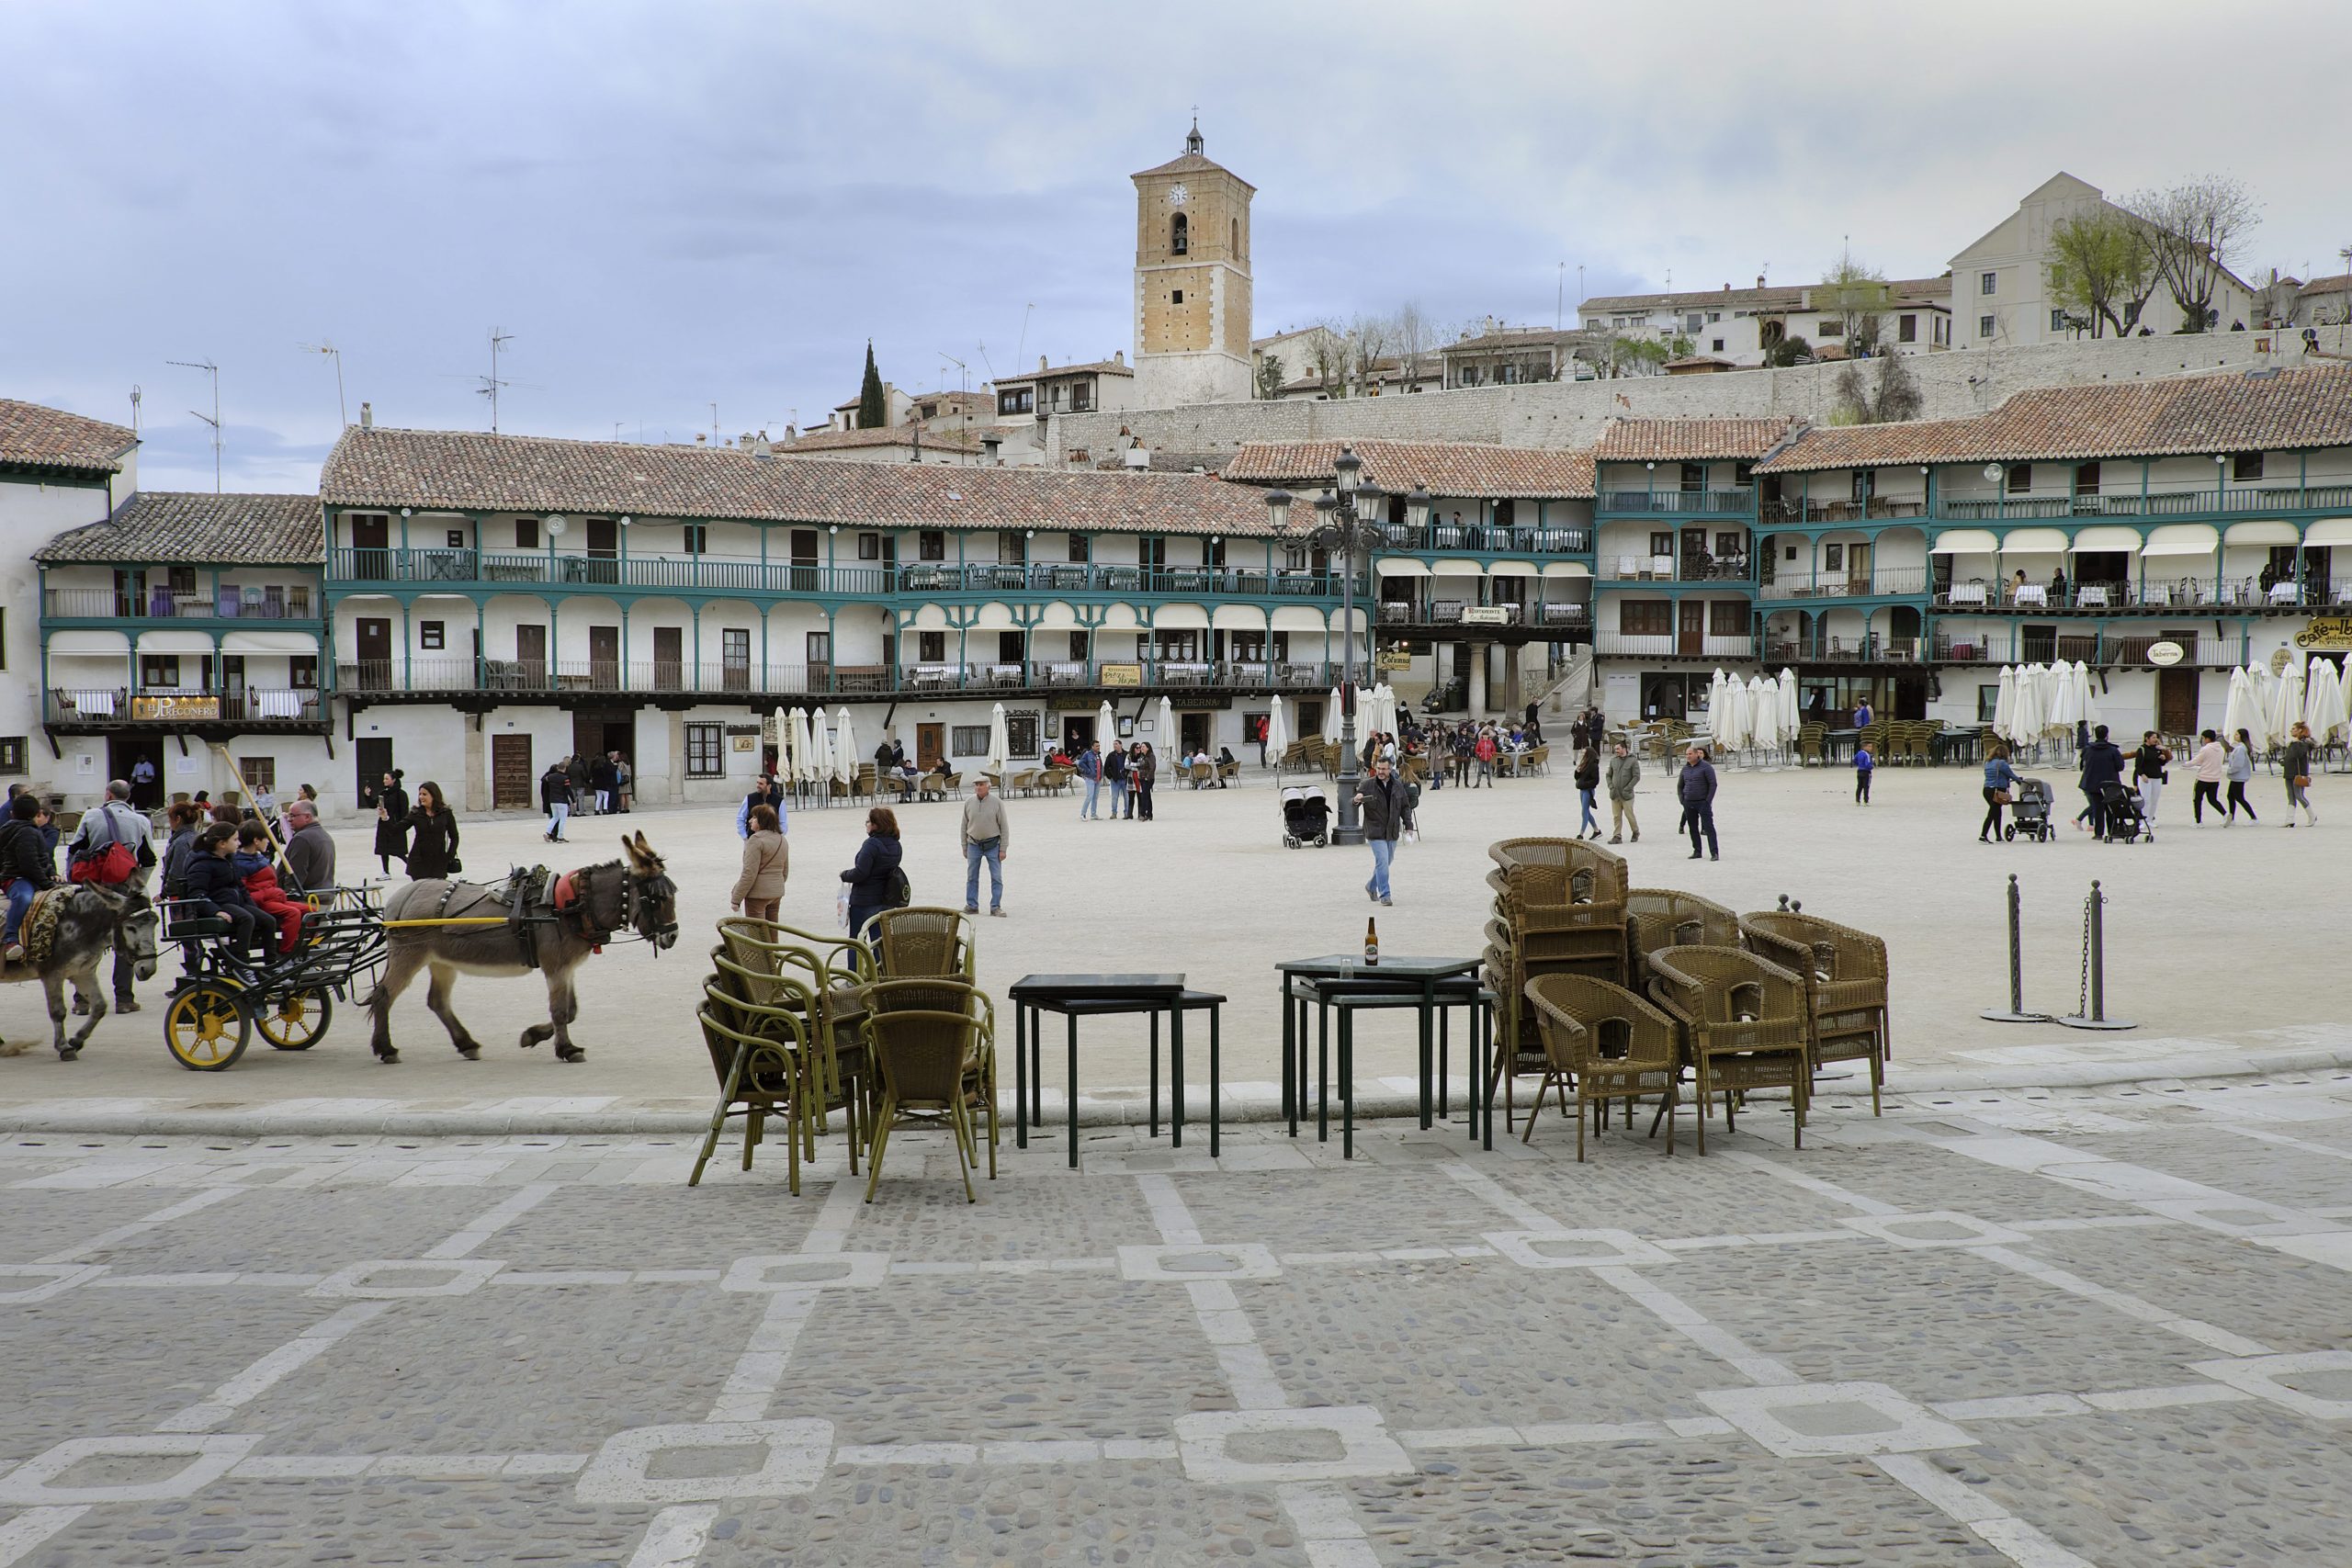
[1042, 362]
[1759, 280]
[1726, 287]
[367, 416]
[1119, 355]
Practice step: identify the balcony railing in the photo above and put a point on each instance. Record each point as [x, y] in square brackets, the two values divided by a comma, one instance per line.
[1077, 576]
[1461, 612]
[1511, 540]
[1878, 581]
[1871, 647]
[2247, 499]
[291, 602]
[1669, 645]
[2100, 648]
[2172, 596]
[641, 677]
[1737, 503]
[172, 706]
[1801, 512]
[1677, 568]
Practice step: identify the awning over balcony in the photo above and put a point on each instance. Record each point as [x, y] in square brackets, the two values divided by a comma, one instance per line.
[1298, 618]
[175, 642]
[1238, 618]
[269, 642]
[2183, 539]
[2268, 533]
[1121, 619]
[1567, 569]
[2108, 537]
[1341, 622]
[85, 645]
[1513, 569]
[1965, 542]
[929, 618]
[1180, 617]
[2034, 541]
[1457, 568]
[994, 617]
[2329, 531]
[1399, 565]
[1057, 616]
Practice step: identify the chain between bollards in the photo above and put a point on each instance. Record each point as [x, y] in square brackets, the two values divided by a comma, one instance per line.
[2094, 1015]
[2016, 1013]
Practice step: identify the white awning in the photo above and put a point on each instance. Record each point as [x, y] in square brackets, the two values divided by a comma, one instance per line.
[86, 643]
[1055, 617]
[2107, 537]
[928, 619]
[1120, 618]
[2183, 539]
[1340, 621]
[1567, 569]
[1238, 618]
[2034, 541]
[175, 642]
[1457, 568]
[1965, 542]
[1298, 618]
[1399, 565]
[994, 617]
[2261, 534]
[2329, 531]
[1179, 616]
[269, 642]
[1515, 569]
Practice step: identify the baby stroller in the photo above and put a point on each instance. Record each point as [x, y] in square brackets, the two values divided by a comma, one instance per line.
[1305, 815]
[2031, 813]
[2121, 809]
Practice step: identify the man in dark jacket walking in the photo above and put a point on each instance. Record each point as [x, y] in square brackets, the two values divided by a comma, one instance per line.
[2102, 765]
[1381, 803]
[1696, 786]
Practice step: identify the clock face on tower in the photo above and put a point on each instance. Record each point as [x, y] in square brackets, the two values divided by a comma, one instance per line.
[1176, 194]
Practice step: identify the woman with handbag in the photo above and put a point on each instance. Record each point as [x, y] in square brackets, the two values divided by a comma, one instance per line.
[759, 890]
[2297, 765]
[2000, 788]
[433, 841]
[875, 881]
[2149, 776]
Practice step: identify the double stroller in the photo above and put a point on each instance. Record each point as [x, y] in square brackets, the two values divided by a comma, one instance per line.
[2029, 813]
[1306, 816]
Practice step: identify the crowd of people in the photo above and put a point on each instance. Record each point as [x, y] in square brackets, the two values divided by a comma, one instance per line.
[2221, 768]
[582, 786]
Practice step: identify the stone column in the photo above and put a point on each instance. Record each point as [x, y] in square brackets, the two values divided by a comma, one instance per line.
[1477, 695]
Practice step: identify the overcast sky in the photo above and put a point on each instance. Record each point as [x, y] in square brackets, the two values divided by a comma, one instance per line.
[675, 204]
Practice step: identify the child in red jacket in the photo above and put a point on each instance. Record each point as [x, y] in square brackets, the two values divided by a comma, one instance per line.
[260, 879]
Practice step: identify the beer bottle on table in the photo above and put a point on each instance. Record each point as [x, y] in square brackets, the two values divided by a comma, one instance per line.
[1371, 943]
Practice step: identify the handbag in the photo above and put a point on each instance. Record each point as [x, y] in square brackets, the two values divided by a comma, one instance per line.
[2001, 797]
[2302, 781]
[456, 865]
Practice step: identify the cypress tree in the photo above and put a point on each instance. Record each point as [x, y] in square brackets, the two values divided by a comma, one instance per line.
[872, 413]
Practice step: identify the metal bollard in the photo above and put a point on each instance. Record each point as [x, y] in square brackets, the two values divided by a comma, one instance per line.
[1791, 906]
[2093, 1005]
[2016, 1013]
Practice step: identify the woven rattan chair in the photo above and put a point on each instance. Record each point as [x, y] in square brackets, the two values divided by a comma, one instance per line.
[1743, 1022]
[1658, 918]
[934, 1042]
[831, 1049]
[1610, 1044]
[832, 966]
[1561, 898]
[1812, 739]
[1845, 976]
[1506, 970]
[923, 941]
[759, 1056]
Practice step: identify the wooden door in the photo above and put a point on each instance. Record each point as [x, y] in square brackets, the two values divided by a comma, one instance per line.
[604, 548]
[512, 777]
[371, 759]
[371, 533]
[2177, 698]
[735, 654]
[930, 745]
[669, 660]
[605, 658]
[531, 653]
[1691, 628]
[1857, 569]
[375, 646]
[1694, 554]
[804, 560]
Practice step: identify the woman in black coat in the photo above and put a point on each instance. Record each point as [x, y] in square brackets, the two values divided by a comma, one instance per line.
[391, 820]
[872, 879]
[433, 844]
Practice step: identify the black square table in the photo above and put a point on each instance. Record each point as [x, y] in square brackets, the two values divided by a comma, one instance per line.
[1397, 981]
[1086, 996]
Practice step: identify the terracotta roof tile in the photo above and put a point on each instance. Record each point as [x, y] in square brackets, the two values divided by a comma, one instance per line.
[1093, 368]
[178, 526]
[1445, 468]
[456, 471]
[36, 437]
[895, 435]
[1688, 440]
[2237, 412]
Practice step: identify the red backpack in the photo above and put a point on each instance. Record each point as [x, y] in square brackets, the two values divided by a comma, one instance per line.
[111, 864]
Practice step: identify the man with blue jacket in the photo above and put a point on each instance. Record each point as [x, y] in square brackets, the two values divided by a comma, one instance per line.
[1696, 786]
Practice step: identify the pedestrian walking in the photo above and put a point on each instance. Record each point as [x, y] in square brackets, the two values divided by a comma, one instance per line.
[2239, 767]
[1458, 750]
[2000, 788]
[2211, 764]
[391, 821]
[582, 799]
[767, 860]
[987, 837]
[1624, 772]
[555, 799]
[432, 836]
[1380, 809]
[2103, 762]
[1114, 774]
[1587, 781]
[2297, 765]
[1864, 766]
[1485, 751]
[604, 777]
[1696, 786]
[143, 784]
[1143, 771]
[1090, 771]
[2148, 777]
[875, 881]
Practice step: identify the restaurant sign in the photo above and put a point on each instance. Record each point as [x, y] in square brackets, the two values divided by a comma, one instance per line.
[1394, 659]
[2164, 655]
[181, 708]
[2328, 633]
[1120, 674]
[1487, 615]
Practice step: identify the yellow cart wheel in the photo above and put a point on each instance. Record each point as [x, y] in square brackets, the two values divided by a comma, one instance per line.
[295, 1020]
[204, 1026]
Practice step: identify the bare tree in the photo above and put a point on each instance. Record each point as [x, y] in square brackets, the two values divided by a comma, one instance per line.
[2191, 230]
[2104, 270]
[1369, 340]
[1895, 398]
[1857, 293]
[1416, 340]
[1325, 349]
[1270, 377]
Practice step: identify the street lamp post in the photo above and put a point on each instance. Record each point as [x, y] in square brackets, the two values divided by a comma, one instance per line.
[1347, 526]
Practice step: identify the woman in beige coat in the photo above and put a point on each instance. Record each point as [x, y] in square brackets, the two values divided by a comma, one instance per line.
[766, 858]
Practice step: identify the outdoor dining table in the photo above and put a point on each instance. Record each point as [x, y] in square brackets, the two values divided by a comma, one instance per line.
[1961, 742]
[1428, 985]
[1092, 996]
[1840, 742]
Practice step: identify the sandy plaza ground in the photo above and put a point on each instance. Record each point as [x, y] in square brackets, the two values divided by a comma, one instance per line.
[2216, 938]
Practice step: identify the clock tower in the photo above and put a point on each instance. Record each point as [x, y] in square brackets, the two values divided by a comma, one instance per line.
[1192, 281]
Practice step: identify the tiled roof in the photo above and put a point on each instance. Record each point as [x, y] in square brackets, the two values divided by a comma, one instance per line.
[36, 437]
[2339, 284]
[1504, 339]
[464, 471]
[1443, 467]
[1774, 298]
[176, 526]
[1098, 367]
[2192, 416]
[1191, 164]
[1688, 440]
[894, 435]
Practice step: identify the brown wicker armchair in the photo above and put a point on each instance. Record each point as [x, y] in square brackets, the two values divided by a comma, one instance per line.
[934, 1041]
[923, 941]
[1743, 1022]
[760, 1055]
[1845, 976]
[1610, 1044]
[1561, 898]
[1658, 917]
[825, 1035]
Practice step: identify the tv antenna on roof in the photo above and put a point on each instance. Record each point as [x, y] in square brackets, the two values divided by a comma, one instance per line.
[324, 346]
[490, 383]
[212, 370]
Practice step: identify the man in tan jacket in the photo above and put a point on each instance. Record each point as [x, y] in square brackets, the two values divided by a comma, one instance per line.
[987, 837]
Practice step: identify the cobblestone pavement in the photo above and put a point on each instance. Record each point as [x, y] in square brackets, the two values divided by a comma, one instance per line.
[2040, 1328]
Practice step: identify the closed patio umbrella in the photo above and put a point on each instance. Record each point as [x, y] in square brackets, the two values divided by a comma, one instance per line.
[820, 750]
[2086, 696]
[1763, 712]
[1331, 720]
[2065, 703]
[1277, 732]
[2004, 705]
[1718, 710]
[844, 748]
[794, 760]
[1000, 744]
[2286, 703]
[2242, 710]
[1166, 750]
[2323, 699]
[1790, 720]
[2025, 715]
[1107, 726]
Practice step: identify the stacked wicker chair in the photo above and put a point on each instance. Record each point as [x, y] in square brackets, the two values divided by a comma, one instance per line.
[1843, 972]
[1660, 918]
[777, 996]
[934, 1044]
[1559, 909]
[1610, 1044]
[1743, 1025]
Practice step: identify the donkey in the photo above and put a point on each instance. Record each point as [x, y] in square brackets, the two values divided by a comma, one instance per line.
[94, 922]
[604, 900]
